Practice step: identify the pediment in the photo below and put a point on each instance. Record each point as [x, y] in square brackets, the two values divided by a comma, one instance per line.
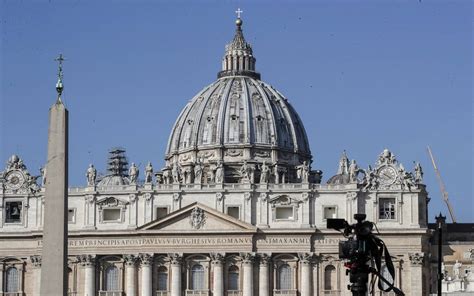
[283, 200]
[111, 201]
[198, 218]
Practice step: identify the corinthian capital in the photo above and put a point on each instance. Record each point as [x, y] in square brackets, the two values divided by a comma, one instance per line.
[86, 260]
[305, 258]
[145, 259]
[264, 259]
[417, 258]
[175, 258]
[217, 258]
[130, 260]
[247, 258]
[36, 260]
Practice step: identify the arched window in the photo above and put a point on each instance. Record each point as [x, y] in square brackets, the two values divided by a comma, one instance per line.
[162, 274]
[285, 277]
[330, 278]
[111, 278]
[197, 277]
[12, 280]
[233, 278]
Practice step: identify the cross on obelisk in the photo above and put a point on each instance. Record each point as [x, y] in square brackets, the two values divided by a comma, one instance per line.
[59, 85]
[54, 245]
[238, 12]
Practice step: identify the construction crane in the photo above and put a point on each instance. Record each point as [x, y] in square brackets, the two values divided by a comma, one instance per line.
[442, 187]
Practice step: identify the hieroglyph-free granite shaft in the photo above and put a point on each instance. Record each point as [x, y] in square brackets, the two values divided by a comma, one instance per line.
[54, 252]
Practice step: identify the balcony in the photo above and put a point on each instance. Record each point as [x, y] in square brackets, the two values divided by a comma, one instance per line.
[162, 293]
[332, 292]
[234, 293]
[110, 293]
[197, 292]
[11, 293]
[285, 292]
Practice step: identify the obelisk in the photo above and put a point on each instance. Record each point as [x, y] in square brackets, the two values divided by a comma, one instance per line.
[54, 250]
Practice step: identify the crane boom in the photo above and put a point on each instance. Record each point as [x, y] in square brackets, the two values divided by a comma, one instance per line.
[444, 193]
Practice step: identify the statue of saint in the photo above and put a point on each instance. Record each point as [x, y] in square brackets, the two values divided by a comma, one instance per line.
[159, 178]
[353, 171]
[245, 173]
[166, 176]
[457, 270]
[197, 172]
[43, 176]
[176, 174]
[219, 175]
[148, 173]
[133, 173]
[91, 175]
[418, 173]
[264, 174]
[304, 172]
[407, 180]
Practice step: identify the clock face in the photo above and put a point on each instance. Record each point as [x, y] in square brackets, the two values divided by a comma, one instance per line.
[15, 180]
[387, 175]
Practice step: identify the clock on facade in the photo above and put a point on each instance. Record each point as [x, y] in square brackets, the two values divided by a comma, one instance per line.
[14, 180]
[387, 175]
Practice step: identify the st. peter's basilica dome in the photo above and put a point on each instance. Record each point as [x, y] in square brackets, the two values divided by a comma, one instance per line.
[237, 119]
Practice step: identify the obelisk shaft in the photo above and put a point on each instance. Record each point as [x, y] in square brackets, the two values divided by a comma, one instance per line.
[54, 252]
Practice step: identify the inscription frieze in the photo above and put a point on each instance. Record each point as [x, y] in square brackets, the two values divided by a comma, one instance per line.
[157, 241]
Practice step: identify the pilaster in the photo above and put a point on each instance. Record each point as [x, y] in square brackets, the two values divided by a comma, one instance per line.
[264, 275]
[175, 261]
[130, 274]
[88, 263]
[146, 264]
[247, 263]
[218, 279]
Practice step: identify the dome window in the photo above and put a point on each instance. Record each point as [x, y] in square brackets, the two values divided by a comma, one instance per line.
[234, 117]
[259, 118]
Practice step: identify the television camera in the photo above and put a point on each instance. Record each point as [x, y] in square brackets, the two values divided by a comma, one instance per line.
[364, 252]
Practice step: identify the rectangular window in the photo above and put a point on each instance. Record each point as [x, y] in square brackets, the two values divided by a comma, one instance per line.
[387, 209]
[161, 212]
[330, 213]
[233, 212]
[71, 215]
[111, 215]
[13, 211]
[284, 213]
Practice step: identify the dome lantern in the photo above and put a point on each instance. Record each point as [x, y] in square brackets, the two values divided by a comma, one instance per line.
[238, 58]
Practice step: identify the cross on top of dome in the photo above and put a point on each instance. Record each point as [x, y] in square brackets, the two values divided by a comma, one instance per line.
[238, 12]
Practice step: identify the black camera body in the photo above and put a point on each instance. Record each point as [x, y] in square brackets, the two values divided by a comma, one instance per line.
[348, 249]
[361, 247]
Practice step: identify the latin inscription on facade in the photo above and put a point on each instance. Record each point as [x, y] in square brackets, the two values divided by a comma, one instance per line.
[159, 241]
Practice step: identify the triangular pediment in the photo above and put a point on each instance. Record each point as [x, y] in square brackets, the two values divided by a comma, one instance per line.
[198, 218]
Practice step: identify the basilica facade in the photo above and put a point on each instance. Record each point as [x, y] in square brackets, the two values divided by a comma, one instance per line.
[236, 210]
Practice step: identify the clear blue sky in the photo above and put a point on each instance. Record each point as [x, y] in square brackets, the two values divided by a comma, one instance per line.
[363, 75]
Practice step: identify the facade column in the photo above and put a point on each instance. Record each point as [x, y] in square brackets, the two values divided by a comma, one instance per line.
[36, 261]
[416, 273]
[175, 260]
[247, 263]
[146, 261]
[130, 275]
[88, 263]
[263, 275]
[306, 276]
[218, 279]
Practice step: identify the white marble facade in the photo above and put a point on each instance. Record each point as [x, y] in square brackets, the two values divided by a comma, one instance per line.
[237, 209]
